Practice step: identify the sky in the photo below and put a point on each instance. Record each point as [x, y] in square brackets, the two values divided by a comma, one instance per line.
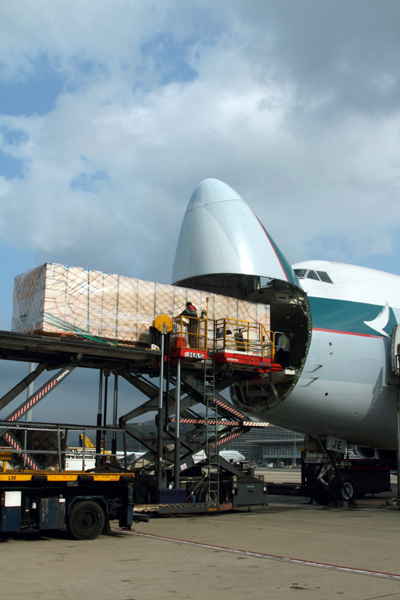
[111, 113]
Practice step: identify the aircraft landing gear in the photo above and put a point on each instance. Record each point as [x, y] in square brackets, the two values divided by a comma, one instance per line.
[333, 483]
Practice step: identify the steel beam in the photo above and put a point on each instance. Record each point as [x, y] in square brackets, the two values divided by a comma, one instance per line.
[22, 385]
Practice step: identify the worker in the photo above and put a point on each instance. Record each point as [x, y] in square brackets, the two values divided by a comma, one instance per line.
[282, 350]
[191, 312]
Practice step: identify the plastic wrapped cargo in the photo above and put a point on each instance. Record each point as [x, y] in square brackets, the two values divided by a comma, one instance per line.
[61, 300]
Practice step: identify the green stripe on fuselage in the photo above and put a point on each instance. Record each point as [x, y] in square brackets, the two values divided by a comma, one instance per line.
[346, 316]
[287, 269]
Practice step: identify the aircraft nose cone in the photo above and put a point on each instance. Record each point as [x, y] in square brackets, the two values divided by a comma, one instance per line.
[211, 191]
[220, 234]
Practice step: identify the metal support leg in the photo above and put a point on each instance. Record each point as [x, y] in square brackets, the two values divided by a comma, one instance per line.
[160, 420]
[106, 374]
[115, 413]
[177, 425]
[398, 440]
[99, 419]
[28, 415]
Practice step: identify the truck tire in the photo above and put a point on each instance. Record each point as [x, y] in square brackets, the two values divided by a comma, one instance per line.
[86, 520]
[204, 495]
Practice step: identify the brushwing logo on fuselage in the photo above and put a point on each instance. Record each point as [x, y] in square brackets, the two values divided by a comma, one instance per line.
[356, 318]
[381, 320]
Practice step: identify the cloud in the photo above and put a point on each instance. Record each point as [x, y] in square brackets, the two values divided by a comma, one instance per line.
[342, 55]
[111, 113]
[292, 108]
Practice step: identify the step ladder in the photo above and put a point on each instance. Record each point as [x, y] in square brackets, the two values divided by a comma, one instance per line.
[212, 494]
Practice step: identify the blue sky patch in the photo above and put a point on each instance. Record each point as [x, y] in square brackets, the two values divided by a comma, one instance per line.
[170, 58]
[35, 94]
[14, 137]
[10, 166]
[337, 248]
[14, 261]
[84, 71]
[88, 182]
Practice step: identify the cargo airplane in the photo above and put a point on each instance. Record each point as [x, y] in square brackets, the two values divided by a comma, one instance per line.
[232, 456]
[339, 319]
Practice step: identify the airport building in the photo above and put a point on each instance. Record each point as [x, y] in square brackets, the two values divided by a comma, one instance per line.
[270, 446]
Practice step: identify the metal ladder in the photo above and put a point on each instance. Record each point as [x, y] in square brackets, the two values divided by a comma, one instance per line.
[210, 403]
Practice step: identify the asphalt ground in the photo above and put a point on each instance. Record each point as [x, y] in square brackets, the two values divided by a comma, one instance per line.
[289, 549]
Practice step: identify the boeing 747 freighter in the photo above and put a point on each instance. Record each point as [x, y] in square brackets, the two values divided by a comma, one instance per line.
[339, 319]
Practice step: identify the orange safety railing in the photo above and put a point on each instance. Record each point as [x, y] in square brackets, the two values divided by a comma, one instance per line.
[244, 337]
[192, 332]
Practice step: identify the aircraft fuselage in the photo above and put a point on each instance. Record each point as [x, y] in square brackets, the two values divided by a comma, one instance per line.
[339, 319]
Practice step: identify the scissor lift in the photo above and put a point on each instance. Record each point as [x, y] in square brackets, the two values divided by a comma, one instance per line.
[205, 358]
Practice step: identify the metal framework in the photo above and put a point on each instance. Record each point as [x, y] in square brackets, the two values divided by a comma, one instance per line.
[191, 372]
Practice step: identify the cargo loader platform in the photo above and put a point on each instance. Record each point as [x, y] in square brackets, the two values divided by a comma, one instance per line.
[55, 350]
[192, 371]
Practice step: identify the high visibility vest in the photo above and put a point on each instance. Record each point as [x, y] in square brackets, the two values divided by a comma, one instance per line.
[284, 342]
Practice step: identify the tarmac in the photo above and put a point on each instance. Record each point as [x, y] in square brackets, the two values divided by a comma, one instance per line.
[289, 549]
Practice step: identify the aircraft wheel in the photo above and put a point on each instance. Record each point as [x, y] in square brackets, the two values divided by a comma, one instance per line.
[319, 493]
[342, 491]
[86, 520]
[348, 491]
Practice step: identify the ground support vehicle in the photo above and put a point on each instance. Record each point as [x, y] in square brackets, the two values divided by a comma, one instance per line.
[53, 498]
[234, 492]
[332, 483]
[83, 502]
[347, 480]
[198, 494]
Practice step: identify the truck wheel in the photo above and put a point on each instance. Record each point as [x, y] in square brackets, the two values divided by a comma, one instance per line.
[86, 520]
[204, 495]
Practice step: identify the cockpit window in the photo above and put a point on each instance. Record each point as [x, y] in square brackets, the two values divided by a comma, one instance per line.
[316, 275]
[312, 275]
[324, 277]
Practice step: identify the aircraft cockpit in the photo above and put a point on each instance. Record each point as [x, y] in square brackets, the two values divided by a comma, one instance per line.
[311, 274]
